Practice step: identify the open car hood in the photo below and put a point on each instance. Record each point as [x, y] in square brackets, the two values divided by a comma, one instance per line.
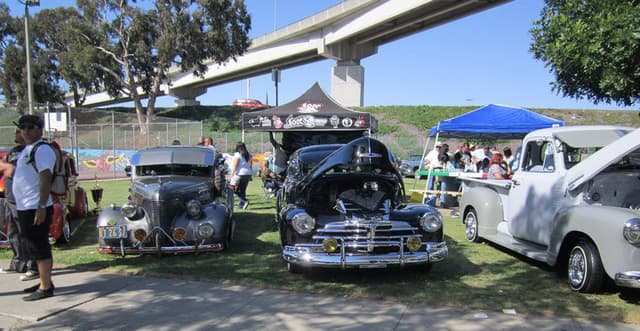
[360, 156]
[598, 161]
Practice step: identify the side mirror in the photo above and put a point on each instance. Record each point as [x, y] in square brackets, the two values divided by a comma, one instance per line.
[127, 170]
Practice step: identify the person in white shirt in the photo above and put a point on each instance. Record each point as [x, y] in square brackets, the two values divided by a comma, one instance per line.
[241, 173]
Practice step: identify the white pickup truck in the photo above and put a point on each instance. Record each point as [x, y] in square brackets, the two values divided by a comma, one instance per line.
[573, 203]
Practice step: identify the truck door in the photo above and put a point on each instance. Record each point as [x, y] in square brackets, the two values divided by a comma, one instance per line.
[535, 192]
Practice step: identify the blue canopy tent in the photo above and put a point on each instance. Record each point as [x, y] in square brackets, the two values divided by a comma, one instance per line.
[490, 122]
[493, 122]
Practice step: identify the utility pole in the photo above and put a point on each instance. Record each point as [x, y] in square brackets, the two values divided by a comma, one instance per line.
[27, 48]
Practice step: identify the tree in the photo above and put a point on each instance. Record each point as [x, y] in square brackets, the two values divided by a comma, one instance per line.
[592, 47]
[71, 45]
[13, 71]
[173, 35]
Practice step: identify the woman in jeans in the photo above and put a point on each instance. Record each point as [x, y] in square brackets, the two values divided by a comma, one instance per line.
[241, 173]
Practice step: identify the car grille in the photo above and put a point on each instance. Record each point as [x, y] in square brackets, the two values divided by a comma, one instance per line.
[368, 236]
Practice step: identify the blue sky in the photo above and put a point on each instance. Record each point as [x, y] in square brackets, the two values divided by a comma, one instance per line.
[477, 60]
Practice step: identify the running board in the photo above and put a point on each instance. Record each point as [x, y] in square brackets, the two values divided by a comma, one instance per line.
[526, 248]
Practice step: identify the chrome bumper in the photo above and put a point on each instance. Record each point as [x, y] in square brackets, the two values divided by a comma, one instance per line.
[162, 250]
[628, 279]
[307, 255]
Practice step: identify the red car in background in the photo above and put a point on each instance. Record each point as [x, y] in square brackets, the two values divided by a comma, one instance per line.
[250, 104]
[69, 212]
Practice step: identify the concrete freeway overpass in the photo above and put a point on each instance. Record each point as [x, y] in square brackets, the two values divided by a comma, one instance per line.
[346, 33]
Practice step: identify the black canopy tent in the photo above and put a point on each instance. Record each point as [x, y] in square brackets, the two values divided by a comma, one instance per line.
[312, 118]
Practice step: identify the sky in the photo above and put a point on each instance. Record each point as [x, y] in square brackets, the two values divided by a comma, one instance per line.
[477, 60]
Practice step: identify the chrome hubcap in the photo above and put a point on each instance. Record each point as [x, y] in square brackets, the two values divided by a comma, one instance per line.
[471, 226]
[66, 230]
[577, 267]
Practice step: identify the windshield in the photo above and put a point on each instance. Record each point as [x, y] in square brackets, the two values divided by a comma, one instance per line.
[173, 169]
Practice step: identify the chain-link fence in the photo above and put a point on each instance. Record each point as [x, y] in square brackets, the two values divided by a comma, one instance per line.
[104, 141]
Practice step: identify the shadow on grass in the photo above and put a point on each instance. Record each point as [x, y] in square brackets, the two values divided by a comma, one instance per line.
[473, 276]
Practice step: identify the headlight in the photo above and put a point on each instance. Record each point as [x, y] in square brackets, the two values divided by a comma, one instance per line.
[129, 209]
[330, 245]
[303, 223]
[431, 222]
[631, 231]
[206, 230]
[194, 208]
[414, 243]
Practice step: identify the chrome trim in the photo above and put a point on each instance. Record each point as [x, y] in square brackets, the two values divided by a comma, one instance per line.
[628, 279]
[174, 249]
[304, 254]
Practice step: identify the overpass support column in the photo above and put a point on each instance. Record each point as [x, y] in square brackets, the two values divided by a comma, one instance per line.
[347, 83]
[186, 96]
[347, 77]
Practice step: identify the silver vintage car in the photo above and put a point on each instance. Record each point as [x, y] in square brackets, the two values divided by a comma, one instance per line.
[179, 202]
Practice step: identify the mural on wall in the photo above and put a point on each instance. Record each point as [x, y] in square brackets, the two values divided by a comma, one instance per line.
[103, 163]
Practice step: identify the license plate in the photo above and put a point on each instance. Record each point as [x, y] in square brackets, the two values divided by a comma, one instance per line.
[112, 232]
[373, 266]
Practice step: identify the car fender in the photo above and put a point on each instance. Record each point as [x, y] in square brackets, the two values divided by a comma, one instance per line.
[488, 206]
[112, 216]
[57, 221]
[215, 214]
[603, 225]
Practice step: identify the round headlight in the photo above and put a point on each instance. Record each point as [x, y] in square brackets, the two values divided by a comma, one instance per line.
[431, 222]
[194, 208]
[303, 223]
[330, 245]
[206, 230]
[631, 231]
[179, 234]
[414, 243]
[129, 209]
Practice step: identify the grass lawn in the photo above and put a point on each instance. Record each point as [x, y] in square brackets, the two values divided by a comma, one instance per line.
[479, 277]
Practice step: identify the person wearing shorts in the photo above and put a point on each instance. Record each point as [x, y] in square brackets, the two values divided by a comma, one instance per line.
[31, 188]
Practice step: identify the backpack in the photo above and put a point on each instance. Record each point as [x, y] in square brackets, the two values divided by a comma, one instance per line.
[62, 170]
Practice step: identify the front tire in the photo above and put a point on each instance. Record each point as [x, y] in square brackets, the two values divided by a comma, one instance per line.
[585, 272]
[294, 268]
[471, 226]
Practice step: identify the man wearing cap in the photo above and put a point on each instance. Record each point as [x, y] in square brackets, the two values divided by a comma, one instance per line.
[31, 189]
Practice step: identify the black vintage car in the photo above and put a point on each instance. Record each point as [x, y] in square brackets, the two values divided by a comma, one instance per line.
[179, 202]
[343, 206]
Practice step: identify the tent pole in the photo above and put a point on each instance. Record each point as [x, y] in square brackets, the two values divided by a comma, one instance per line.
[426, 186]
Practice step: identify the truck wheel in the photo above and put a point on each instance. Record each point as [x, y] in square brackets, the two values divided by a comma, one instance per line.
[471, 226]
[585, 270]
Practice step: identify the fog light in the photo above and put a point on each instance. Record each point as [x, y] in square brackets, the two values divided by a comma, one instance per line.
[206, 230]
[330, 245]
[179, 234]
[140, 234]
[414, 243]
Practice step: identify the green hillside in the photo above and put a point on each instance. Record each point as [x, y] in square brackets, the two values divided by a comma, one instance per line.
[403, 128]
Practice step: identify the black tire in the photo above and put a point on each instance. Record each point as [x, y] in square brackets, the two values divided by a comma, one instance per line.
[471, 226]
[584, 268]
[294, 268]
